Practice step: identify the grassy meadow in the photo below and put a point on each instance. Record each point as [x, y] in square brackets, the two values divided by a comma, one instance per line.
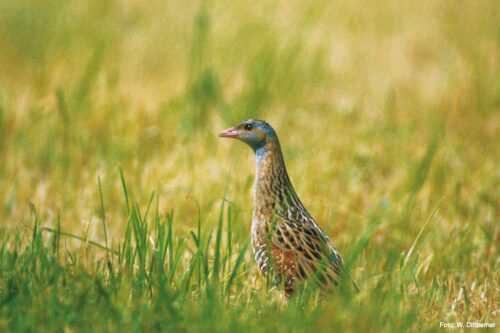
[121, 209]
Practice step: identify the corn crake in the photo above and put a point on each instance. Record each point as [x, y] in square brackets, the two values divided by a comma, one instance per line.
[288, 244]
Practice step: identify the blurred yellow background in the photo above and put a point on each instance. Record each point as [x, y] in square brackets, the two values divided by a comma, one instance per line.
[358, 91]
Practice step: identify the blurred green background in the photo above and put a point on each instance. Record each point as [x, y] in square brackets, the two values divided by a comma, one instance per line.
[376, 103]
[355, 90]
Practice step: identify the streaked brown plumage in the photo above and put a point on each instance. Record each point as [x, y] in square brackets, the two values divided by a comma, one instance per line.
[287, 242]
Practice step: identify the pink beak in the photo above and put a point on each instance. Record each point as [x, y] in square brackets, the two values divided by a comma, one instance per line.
[232, 132]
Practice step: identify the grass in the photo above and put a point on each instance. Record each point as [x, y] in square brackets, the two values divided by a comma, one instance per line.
[120, 209]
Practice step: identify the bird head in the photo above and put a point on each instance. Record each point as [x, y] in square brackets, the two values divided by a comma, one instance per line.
[255, 133]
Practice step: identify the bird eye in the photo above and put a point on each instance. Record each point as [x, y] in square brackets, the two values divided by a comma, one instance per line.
[248, 127]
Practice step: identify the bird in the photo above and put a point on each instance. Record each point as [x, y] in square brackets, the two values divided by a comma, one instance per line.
[288, 244]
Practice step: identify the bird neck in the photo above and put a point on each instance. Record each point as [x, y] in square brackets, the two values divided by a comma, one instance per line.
[273, 191]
